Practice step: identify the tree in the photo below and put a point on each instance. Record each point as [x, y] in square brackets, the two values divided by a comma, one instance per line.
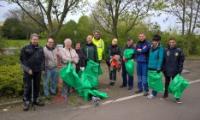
[108, 13]
[187, 13]
[49, 10]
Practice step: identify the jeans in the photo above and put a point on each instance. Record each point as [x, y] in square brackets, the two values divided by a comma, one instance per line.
[50, 80]
[142, 76]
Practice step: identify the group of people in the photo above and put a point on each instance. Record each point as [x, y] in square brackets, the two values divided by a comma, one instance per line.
[37, 61]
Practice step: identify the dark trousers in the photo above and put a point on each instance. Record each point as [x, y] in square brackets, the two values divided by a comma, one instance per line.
[167, 81]
[126, 77]
[112, 74]
[36, 77]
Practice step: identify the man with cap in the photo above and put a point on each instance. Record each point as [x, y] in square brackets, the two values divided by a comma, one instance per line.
[156, 56]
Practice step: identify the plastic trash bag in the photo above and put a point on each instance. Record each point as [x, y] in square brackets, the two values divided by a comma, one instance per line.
[178, 85]
[155, 81]
[129, 65]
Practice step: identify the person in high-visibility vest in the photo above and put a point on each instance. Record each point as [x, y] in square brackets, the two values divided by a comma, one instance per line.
[99, 43]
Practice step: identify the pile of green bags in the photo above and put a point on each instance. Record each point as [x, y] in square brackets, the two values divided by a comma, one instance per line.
[155, 81]
[86, 82]
[178, 85]
[129, 64]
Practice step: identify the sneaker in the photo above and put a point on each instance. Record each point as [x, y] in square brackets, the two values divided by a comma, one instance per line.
[96, 101]
[150, 96]
[39, 103]
[146, 94]
[178, 101]
[26, 106]
[112, 83]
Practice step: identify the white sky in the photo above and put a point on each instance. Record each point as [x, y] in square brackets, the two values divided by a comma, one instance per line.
[165, 25]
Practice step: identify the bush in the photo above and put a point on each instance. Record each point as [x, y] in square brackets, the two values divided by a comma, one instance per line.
[10, 80]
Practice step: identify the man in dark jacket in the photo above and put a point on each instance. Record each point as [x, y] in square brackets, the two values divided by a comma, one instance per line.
[172, 64]
[32, 61]
[127, 79]
[142, 54]
[90, 50]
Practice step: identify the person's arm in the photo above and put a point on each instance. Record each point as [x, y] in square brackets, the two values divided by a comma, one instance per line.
[160, 59]
[23, 61]
[144, 49]
[76, 57]
[43, 60]
[181, 61]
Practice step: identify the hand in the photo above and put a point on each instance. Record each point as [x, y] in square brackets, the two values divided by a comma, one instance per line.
[30, 72]
[82, 68]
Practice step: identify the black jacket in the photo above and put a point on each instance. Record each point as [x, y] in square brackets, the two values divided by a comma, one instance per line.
[90, 51]
[113, 50]
[32, 57]
[82, 59]
[173, 61]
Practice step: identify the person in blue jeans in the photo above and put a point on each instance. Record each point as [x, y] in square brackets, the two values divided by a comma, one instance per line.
[125, 76]
[142, 53]
[156, 56]
[51, 72]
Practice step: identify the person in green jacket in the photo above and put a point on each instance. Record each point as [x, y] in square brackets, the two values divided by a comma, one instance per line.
[90, 50]
[156, 56]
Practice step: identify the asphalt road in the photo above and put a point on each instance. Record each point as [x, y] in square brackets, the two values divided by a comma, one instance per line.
[139, 108]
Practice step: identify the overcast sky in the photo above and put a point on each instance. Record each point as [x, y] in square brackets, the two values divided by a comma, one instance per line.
[165, 25]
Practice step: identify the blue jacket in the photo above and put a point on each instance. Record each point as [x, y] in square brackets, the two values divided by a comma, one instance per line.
[142, 56]
[156, 56]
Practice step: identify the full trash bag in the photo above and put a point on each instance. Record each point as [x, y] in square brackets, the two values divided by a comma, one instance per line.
[155, 81]
[178, 85]
[130, 67]
[129, 63]
[86, 83]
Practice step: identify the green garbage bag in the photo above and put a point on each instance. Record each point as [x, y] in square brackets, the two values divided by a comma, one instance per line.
[128, 53]
[129, 65]
[178, 85]
[86, 82]
[155, 81]
[69, 75]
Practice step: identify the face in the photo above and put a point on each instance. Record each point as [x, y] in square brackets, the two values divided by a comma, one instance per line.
[114, 42]
[78, 46]
[130, 42]
[35, 40]
[155, 43]
[50, 43]
[89, 39]
[172, 43]
[97, 35]
[68, 44]
[141, 37]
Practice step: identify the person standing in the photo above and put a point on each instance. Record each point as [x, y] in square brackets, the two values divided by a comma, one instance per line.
[142, 53]
[67, 55]
[90, 50]
[127, 79]
[156, 56]
[32, 62]
[113, 61]
[99, 43]
[51, 72]
[172, 65]
[82, 58]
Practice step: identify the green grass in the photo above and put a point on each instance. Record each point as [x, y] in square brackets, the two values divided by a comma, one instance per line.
[4, 43]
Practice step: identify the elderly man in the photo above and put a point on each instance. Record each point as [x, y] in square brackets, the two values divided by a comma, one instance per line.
[32, 61]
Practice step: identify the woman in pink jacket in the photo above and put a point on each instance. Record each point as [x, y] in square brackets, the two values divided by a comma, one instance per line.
[67, 55]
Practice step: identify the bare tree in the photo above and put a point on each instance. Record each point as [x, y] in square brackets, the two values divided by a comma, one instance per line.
[186, 12]
[50, 10]
[108, 13]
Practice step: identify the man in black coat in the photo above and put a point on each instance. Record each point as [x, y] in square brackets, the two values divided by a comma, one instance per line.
[172, 64]
[32, 61]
